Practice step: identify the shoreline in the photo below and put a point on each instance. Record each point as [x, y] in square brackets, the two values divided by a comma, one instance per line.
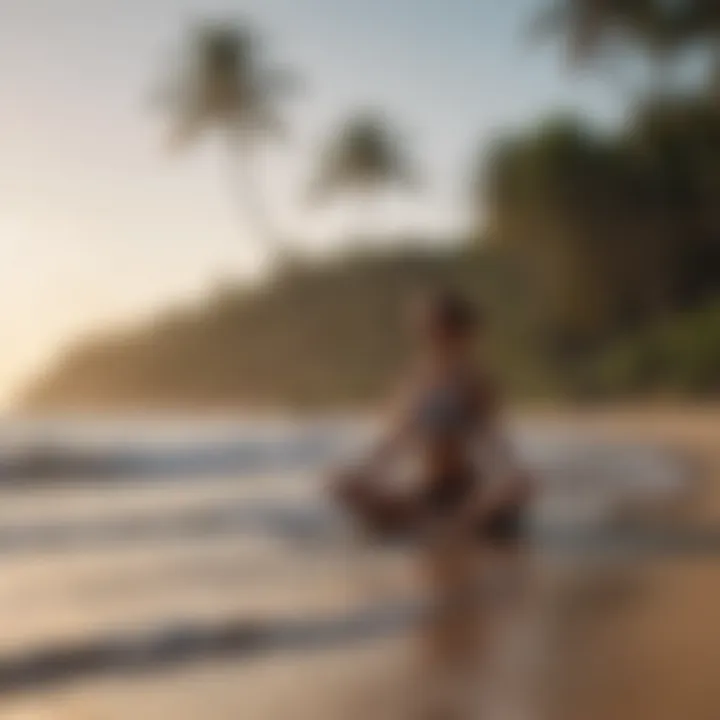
[645, 647]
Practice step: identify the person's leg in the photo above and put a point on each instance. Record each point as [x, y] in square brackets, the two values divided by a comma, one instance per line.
[376, 508]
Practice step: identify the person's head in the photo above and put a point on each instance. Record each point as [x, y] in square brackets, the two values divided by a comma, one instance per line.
[447, 322]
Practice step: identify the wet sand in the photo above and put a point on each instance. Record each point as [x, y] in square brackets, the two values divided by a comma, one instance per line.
[654, 653]
[646, 646]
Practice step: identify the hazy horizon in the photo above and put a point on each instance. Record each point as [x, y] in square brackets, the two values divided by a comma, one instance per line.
[98, 224]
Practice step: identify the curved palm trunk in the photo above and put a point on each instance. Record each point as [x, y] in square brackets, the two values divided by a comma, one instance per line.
[364, 208]
[246, 192]
[365, 217]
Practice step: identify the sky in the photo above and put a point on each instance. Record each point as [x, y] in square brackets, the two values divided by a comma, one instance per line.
[100, 225]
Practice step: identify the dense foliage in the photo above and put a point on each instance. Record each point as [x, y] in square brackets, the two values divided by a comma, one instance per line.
[611, 231]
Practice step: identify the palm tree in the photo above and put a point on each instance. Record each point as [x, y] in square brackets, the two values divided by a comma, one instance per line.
[596, 29]
[225, 86]
[363, 159]
[700, 24]
[659, 29]
[587, 24]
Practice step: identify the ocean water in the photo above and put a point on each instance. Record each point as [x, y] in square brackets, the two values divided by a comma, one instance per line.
[134, 549]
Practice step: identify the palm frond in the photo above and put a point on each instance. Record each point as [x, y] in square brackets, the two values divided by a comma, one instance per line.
[223, 80]
[364, 154]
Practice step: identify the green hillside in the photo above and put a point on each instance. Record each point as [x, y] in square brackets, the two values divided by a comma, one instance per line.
[315, 335]
[333, 335]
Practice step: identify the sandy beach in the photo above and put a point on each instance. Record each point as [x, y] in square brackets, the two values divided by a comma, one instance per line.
[655, 655]
[648, 648]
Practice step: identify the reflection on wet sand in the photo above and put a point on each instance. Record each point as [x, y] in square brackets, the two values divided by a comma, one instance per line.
[591, 641]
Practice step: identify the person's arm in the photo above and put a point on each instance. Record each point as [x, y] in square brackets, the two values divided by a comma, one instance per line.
[393, 438]
[509, 483]
[396, 431]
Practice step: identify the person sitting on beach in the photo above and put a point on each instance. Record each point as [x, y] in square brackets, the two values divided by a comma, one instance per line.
[447, 417]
